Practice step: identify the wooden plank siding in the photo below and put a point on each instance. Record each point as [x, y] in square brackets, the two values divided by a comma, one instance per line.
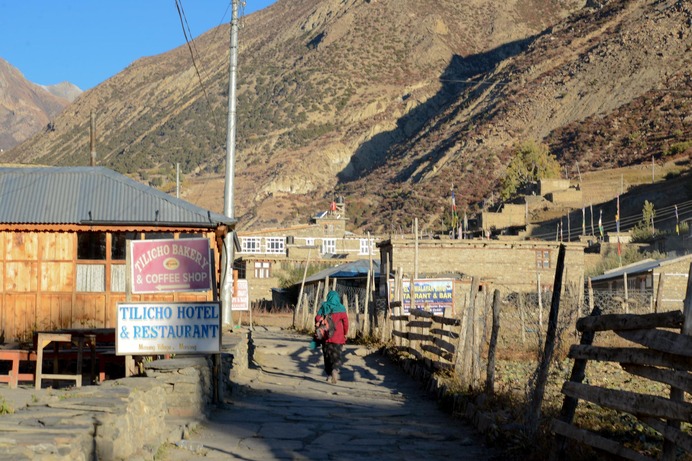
[39, 279]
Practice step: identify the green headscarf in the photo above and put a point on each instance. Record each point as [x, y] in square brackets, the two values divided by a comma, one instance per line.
[332, 304]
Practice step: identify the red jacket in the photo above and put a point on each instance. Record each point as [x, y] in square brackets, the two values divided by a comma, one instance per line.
[340, 327]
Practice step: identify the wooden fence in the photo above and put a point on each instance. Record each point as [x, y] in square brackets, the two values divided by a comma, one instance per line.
[665, 358]
[443, 343]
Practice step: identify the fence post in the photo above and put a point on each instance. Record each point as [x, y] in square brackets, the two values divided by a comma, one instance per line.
[397, 323]
[569, 404]
[315, 306]
[490, 377]
[326, 288]
[627, 300]
[366, 312]
[534, 411]
[676, 394]
[659, 293]
[462, 362]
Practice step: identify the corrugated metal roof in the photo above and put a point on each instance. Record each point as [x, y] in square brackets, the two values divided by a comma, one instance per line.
[83, 195]
[353, 269]
[647, 265]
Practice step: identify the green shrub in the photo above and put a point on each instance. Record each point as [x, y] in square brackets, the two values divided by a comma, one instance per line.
[678, 148]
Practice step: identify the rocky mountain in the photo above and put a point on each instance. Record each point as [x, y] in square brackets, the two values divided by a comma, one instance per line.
[65, 90]
[25, 108]
[390, 104]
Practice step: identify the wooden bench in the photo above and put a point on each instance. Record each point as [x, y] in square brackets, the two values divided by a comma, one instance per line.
[16, 356]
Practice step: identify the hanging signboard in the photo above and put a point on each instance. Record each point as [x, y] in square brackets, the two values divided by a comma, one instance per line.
[432, 295]
[167, 328]
[170, 265]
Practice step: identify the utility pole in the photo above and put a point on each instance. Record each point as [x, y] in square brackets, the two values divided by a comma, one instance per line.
[228, 250]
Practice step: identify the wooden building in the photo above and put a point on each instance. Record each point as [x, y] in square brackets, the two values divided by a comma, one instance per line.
[63, 239]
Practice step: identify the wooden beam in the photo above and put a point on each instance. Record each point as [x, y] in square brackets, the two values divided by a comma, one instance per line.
[679, 379]
[635, 355]
[596, 441]
[631, 402]
[675, 435]
[660, 340]
[672, 319]
[442, 344]
[444, 333]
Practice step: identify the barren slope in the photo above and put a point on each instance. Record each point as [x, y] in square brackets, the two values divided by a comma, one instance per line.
[325, 88]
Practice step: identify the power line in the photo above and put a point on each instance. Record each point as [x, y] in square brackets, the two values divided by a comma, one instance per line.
[662, 215]
[184, 24]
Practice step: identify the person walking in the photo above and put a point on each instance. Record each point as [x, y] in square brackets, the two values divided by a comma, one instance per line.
[332, 346]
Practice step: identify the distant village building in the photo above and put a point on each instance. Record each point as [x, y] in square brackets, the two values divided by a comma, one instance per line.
[652, 285]
[510, 265]
[64, 234]
[266, 255]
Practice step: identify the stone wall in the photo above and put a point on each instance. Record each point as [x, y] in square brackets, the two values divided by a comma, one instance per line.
[510, 216]
[123, 419]
[507, 265]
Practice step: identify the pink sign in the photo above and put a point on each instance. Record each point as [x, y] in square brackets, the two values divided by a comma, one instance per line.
[170, 265]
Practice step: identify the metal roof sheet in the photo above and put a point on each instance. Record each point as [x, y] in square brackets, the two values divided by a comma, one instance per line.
[353, 269]
[641, 267]
[83, 195]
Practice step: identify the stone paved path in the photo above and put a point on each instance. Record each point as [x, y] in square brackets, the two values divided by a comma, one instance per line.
[283, 408]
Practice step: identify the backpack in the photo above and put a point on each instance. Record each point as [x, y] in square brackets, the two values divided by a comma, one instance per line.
[324, 328]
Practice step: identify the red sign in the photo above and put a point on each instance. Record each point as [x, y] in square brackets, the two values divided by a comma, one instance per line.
[170, 265]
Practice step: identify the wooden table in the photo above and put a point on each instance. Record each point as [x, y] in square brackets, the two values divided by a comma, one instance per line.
[99, 341]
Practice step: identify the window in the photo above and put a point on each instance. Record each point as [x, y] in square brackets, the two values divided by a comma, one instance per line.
[365, 246]
[241, 267]
[250, 244]
[328, 246]
[118, 277]
[543, 259]
[91, 277]
[310, 241]
[262, 269]
[275, 245]
[91, 245]
[119, 244]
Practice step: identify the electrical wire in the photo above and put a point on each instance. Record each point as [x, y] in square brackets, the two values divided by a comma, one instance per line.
[665, 214]
[190, 46]
[193, 50]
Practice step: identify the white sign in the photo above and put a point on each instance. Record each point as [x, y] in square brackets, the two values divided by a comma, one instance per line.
[167, 328]
[241, 299]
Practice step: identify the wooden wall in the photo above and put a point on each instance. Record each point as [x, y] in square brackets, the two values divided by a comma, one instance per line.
[38, 286]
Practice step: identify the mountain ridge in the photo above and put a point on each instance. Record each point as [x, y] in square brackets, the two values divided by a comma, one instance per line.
[334, 99]
[25, 107]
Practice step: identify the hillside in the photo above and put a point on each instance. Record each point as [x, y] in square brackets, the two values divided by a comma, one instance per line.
[25, 108]
[391, 105]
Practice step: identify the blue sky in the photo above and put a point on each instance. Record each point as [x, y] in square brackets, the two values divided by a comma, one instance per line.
[87, 41]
